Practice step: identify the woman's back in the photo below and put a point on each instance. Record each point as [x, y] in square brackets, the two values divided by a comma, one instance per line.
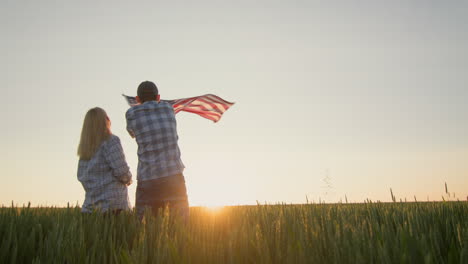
[105, 177]
[102, 168]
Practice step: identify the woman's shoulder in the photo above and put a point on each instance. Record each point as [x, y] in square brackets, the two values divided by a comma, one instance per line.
[111, 141]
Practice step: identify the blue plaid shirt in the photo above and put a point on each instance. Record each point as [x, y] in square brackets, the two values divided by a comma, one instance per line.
[105, 178]
[154, 126]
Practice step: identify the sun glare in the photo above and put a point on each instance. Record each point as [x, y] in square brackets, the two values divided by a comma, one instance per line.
[214, 208]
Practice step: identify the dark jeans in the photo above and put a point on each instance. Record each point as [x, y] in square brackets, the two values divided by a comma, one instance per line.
[158, 193]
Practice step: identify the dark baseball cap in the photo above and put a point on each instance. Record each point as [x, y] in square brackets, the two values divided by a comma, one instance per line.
[147, 89]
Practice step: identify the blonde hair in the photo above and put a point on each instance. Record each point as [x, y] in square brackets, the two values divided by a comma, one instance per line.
[96, 129]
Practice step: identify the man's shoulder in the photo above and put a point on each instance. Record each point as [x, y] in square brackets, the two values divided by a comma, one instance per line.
[149, 105]
[165, 104]
[160, 104]
[130, 111]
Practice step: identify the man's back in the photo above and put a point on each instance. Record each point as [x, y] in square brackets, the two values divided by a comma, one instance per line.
[154, 126]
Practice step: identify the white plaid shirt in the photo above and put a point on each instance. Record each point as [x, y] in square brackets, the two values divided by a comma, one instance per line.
[105, 178]
[154, 126]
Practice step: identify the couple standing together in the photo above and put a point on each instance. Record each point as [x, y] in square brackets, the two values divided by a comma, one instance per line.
[103, 170]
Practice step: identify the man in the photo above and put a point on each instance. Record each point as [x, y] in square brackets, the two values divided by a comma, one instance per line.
[160, 179]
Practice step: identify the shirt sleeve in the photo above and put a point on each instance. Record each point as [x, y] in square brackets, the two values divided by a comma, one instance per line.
[116, 159]
[129, 127]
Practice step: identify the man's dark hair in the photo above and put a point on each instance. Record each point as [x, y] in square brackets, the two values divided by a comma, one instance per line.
[147, 91]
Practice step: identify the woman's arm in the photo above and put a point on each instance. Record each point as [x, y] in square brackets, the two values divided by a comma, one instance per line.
[115, 157]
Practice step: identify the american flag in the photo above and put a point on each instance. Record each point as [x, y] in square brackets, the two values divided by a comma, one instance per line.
[208, 106]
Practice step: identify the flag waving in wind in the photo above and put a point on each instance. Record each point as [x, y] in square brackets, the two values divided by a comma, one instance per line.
[208, 106]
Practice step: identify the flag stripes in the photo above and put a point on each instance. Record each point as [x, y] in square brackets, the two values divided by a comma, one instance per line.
[208, 106]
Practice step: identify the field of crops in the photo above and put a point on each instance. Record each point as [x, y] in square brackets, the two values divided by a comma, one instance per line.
[313, 233]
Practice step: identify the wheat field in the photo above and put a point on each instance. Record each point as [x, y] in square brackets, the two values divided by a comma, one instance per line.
[416, 232]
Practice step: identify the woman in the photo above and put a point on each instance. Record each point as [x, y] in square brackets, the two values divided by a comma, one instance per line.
[102, 169]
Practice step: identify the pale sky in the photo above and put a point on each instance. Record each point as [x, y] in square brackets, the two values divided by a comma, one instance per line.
[371, 93]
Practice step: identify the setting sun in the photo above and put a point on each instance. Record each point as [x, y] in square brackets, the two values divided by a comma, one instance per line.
[214, 208]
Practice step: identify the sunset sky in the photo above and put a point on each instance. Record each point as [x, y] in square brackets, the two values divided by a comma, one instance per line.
[333, 98]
